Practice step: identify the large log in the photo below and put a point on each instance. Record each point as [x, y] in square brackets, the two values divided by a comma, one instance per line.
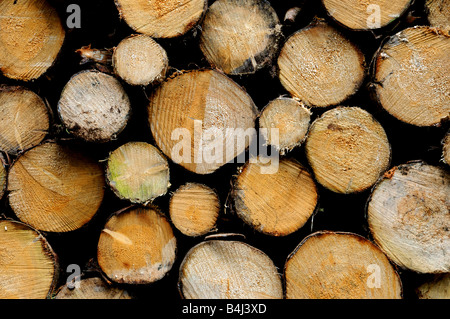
[91, 288]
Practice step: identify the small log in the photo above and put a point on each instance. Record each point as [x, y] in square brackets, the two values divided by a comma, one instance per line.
[161, 18]
[321, 67]
[24, 119]
[347, 149]
[196, 118]
[336, 265]
[91, 288]
[136, 246]
[409, 217]
[275, 204]
[240, 36]
[31, 36]
[438, 13]
[284, 123]
[219, 269]
[138, 172]
[438, 288]
[366, 15]
[55, 189]
[411, 79]
[3, 178]
[28, 266]
[446, 149]
[194, 209]
[140, 60]
[94, 106]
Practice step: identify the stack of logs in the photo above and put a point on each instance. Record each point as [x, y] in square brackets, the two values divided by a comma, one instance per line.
[158, 219]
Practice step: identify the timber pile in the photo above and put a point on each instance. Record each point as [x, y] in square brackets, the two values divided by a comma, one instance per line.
[225, 149]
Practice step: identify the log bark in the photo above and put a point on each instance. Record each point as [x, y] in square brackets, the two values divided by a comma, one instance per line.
[140, 60]
[275, 204]
[161, 18]
[321, 67]
[92, 288]
[3, 178]
[365, 15]
[219, 269]
[348, 150]
[94, 106]
[138, 172]
[196, 117]
[28, 266]
[336, 265]
[24, 119]
[408, 215]
[54, 188]
[284, 123]
[411, 80]
[438, 13]
[438, 288]
[31, 36]
[245, 51]
[194, 209]
[136, 246]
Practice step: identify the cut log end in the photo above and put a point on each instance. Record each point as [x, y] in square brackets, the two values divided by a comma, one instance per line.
[3, 178]
[138, 172]
[329, 265]
[140, 60]
[91, 288]
[194, 209]
[28, 265]
[240, 37]
[54, 188]
[438, 288]
[284, 123]
[314, 55]
[446, 149]
[31, 36]
[219, 269]
[408, 215]
[196, 117]
[161, 19]
[438, 13]
[365, 15]
[348, 150]
[24, 120]
[94, 106]
[275, 204]
[136, 246]
[412, 76]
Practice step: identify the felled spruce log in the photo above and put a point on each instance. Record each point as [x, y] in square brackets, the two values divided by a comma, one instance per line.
[31, 36]
[240, 36]
[3, 178]
[438, 288]
[319, 66]
[94, 106]
[194, 209]
[28, 266]
[54, 188]
[161, 18]
[284, 123]
[136, 246]
[347, 149]
[140, 60]
[24, 119]
[438, 13]
[446, 148]
[411, 79]
[199, 119]
[275, 204]
[409, 217]
[219, 269]
[91, 288]
[335, 265]
[138, 172]
[366, 15]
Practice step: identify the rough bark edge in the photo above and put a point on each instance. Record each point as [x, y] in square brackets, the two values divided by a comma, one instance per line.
[48, 250]
[234, 206]
[354, 235]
